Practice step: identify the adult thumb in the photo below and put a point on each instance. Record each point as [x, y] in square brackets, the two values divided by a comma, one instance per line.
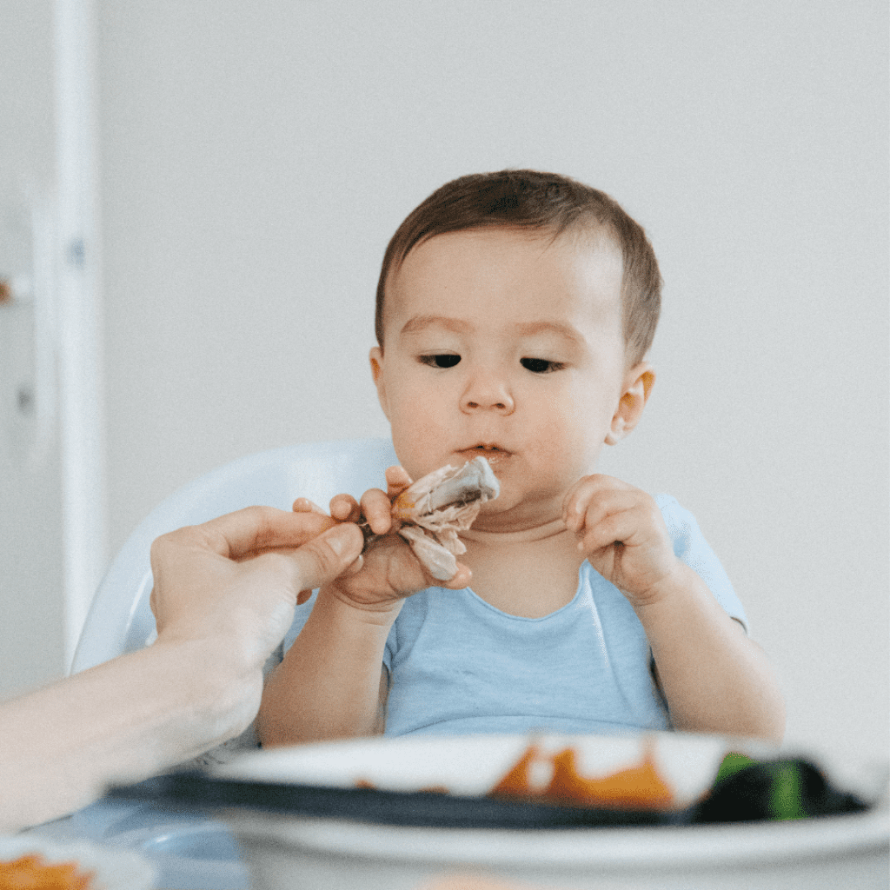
[322, 559]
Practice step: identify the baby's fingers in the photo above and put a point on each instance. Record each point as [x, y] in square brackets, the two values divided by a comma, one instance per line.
[593, 498]
[376, 507]
[345, 508]
[611, 529]
[578, 502]
[397, 480]
[459, 581]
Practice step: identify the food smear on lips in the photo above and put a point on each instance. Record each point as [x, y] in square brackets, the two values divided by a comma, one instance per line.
[431, 512]
[494, 454]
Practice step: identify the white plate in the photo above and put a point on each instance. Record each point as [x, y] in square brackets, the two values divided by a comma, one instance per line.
[113, 869]
[472, 765]
[334, 853]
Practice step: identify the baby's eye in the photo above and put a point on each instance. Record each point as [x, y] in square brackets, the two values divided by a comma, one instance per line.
[440, 360]
[540, 365]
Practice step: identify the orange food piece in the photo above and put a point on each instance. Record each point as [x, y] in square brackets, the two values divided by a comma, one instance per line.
[33, 872]
[637, 787]
[517, 782]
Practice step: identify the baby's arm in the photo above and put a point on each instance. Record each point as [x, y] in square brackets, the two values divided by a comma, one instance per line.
[715, 679]
[331, 683]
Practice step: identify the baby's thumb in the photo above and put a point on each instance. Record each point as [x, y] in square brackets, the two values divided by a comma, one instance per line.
[324, 558]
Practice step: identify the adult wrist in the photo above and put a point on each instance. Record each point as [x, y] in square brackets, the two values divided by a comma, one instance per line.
[220, 690]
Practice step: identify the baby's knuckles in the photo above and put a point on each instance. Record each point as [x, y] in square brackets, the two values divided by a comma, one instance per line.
[649, 564]
[389, 573]
[642, 565]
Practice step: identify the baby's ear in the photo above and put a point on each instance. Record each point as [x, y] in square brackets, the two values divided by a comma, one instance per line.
[638, 384]
[376, 358]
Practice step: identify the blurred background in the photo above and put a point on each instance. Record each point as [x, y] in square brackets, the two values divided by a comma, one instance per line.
[197, 195]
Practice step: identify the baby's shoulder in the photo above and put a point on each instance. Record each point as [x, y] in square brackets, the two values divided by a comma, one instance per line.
[680, 521]
[666, 502]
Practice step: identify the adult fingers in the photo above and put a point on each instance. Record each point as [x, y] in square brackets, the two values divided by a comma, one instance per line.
[243, 532]
[325, 557]
[304, 505]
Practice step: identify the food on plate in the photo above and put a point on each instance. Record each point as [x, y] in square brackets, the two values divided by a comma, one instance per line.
[539, 776]
[430, 513]
[33, 872]
[555, 778]
[650, 778]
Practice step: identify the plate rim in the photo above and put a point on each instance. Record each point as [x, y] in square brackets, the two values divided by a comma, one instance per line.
[607, 847]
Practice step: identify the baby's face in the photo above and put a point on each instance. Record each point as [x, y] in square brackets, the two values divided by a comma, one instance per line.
[507, 344]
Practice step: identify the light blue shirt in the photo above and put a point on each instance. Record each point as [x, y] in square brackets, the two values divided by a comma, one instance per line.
[459, 665]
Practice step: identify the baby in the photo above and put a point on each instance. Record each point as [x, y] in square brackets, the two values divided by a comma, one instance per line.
[514, 315]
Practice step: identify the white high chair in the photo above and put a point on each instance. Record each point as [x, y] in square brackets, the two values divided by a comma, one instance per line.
[120, 619]
[189, 850]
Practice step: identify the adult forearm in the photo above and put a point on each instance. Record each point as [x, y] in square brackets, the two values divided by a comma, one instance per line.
[714, 677]
[329, 684]
[123, 720]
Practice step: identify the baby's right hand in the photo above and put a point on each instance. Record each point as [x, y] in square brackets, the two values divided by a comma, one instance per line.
[388, 571]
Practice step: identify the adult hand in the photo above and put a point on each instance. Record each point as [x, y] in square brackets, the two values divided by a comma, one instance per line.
[238, 578]
[224, 595]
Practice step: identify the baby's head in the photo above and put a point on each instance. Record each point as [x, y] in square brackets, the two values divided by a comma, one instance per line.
[514, 310]
[545, 203]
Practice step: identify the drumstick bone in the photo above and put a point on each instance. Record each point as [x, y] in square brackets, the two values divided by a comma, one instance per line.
[431, 511]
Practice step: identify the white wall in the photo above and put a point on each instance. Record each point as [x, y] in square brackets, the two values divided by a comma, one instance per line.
[32, 569]
[257, 157]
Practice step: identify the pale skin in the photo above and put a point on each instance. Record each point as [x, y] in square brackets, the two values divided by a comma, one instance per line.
[510, 344]
[224, 596]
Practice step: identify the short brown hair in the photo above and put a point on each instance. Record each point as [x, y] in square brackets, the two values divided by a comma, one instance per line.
[534, 200]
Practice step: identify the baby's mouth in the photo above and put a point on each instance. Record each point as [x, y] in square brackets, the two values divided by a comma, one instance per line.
[493, 453]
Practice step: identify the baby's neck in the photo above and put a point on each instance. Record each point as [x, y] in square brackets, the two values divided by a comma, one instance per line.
[529, 572]
[489, 535]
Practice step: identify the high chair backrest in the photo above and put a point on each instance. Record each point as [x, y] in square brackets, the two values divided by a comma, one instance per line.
[120, 619]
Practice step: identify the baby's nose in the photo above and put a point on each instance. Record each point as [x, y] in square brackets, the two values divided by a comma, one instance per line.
[487, 393]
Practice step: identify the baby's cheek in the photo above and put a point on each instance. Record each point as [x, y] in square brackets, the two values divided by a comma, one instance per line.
[417, 446]
[565, 451]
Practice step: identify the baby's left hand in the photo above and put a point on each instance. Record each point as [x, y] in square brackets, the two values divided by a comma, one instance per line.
[623, 535]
